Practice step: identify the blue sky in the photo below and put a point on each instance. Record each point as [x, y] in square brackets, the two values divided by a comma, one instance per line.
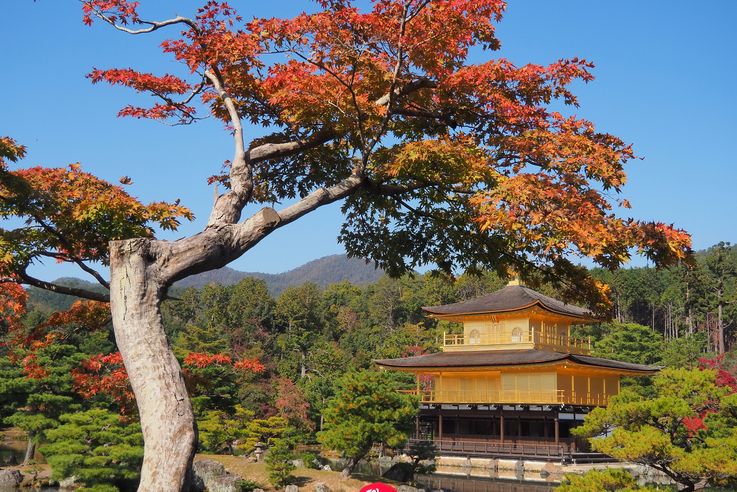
[665, 81]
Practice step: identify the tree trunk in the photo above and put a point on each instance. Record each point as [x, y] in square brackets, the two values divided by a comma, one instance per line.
[720, 324]
[166, 414]
[30, 450]
[348, 470]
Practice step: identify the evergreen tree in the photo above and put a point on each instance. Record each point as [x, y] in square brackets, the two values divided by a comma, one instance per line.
[279, 462]
[629, 342]
[608, 480]
[367, 409]
[684, 352]
[203, 339]
[688, 430]
[250, 311]
[97, 448]
[50, 390]
[219, 431]
[299, 312]
[722, 268]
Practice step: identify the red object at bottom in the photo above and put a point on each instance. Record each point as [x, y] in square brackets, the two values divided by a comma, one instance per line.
[378, 487]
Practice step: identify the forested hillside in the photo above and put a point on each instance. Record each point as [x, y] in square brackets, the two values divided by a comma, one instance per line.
[674, 301]
[260, 365]
[322, 271]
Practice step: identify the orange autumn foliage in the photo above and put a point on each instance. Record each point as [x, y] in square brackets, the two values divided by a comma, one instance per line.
[392, 83]
[201, 360]
[105, 374]
[91, 315]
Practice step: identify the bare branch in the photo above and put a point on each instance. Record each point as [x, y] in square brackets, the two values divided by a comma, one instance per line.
[81, 264]
[153, 25]
[320, 197]
[409, 88]
[393, 85]
[24, 278]
[227, 208]
[286, 149]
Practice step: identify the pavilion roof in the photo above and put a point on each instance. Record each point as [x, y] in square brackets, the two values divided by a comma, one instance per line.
[496, 358]
[513, 297]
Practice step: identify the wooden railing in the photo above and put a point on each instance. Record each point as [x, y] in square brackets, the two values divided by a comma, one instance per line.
[542, 397]
[500, 396]
[563, 343]
[560, 343]
[455, 339]
[510, 447]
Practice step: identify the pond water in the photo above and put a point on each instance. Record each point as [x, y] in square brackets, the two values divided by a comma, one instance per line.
[446, 480]
[449, 483]
[11, 452]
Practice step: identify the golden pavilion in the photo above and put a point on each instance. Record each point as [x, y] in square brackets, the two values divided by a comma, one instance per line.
[515, 381]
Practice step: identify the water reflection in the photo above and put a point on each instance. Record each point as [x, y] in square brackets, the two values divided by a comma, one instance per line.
[449, 483]
[470, 479]
[11, 452]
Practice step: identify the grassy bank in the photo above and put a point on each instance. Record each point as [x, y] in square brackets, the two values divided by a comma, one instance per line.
[305, 478]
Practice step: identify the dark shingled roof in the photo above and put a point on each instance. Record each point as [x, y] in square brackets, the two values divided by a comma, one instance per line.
[506, 358]
[510, 298]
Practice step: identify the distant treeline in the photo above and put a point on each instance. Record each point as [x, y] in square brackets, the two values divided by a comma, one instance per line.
[674, 302]
[681, 300]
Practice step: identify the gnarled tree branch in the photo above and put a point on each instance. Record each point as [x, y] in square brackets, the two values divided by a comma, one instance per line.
[24, 278]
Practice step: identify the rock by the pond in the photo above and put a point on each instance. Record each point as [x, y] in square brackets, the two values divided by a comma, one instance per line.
[399, 472]
[211, 476]
[387, 461]
[67, 483]
[326, 468]
[291, 488]
[408, 488]
[549, 470]
[298, 463]
[321, 487]
[10, 479]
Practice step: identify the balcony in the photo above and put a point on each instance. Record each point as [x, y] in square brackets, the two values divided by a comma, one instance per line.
[542, 397]
[510, 397]
[528, 339]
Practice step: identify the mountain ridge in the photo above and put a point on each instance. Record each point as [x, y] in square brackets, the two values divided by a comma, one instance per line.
[322, 271]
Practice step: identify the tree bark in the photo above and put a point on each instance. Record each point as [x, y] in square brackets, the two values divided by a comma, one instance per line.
[169, 433]
[30, 450]
[720, 319]
[349, 467]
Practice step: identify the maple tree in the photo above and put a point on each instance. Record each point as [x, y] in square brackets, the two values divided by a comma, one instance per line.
[437, 159]
[13, 299]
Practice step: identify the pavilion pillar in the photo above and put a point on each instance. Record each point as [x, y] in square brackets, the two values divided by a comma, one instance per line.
[519, 427]
[557, 430]
[501, 426]
[417, 427]
[545, 427]
[440, 425]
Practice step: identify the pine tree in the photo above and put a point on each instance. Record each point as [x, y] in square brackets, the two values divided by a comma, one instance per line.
[367, 409]
[50, 390]
[97, 448]
[279, 462]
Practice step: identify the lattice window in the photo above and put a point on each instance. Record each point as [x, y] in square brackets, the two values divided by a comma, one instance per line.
[517, 335]
[474, 338]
